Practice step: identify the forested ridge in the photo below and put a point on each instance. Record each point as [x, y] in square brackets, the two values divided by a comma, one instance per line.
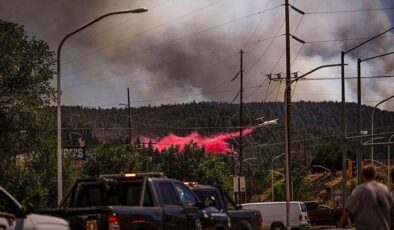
[207, 118]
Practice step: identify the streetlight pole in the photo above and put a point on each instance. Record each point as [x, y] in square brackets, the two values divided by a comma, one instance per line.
[59, 95]
[372, 122]
[272, 181]
[272, 175]
[343, 114]
[240, 123]
[359, 155]
[129, 113]
[388, 163]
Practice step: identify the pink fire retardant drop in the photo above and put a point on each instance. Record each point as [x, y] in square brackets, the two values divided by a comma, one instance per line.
[215, 144]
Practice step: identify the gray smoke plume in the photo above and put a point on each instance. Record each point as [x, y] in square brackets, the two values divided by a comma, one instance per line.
[181, 51]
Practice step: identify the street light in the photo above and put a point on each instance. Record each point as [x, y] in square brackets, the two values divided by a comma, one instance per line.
[272, 175]
[324, 168]
[372, 121]
[343, 114]
[246, 160]
[272, 181]
[58, 91]
[359, 61]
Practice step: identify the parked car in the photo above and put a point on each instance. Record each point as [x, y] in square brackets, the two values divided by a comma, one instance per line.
[322, 214]
[14, 216]
[215, 196]
[136, 201]
[274, 214]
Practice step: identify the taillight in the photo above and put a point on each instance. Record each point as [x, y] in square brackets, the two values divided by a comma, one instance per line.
[261, 221]
[113, 222]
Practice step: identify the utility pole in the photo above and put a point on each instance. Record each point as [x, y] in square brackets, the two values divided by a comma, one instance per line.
[287, 116]
[240, 121]
[359, 157]
[129, 113]
[288, 79]
[343, 128]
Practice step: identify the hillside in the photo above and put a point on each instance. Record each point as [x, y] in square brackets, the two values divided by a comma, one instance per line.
[211, 118]
[314, 124]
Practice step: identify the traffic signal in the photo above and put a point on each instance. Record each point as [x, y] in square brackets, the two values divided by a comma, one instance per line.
[354, 168]
[349, 168]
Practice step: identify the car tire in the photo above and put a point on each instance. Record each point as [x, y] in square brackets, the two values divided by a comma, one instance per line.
[277, 226]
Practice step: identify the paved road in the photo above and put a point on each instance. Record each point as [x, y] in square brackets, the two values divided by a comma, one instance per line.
[329, 228]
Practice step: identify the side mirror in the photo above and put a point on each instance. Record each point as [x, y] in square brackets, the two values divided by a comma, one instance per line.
[239, 206]
[29, 208]
[209, 201]
[25, 210]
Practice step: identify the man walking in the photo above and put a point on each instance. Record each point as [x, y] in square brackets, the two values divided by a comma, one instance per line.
[370, 204]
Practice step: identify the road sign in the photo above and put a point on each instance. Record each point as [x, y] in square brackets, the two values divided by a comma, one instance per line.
[239, 184]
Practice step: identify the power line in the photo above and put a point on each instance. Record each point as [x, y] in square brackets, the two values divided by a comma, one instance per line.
[263, 54]
[153, 66]
[348, 78]
[349, 11]
[143, 32]
[345, 39]
[210, 52]
[378, 101]
[258, 22]
[281, 56]
[169, 41]
[112, 27]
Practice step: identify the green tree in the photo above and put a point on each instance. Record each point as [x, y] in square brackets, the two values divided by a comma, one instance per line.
[109, 159]
[25, 70]
[195, 164]
[26, 137]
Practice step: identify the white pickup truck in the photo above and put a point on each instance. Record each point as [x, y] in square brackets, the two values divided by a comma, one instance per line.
[14, 216]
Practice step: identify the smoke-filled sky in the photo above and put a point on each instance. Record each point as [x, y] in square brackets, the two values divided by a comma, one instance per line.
[188, 50]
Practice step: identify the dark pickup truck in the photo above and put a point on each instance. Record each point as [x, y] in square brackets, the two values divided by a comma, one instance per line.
[215, 196]
[322, 215]
[135, 201]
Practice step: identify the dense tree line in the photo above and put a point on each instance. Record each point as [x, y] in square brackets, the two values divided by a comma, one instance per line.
[309, 118]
